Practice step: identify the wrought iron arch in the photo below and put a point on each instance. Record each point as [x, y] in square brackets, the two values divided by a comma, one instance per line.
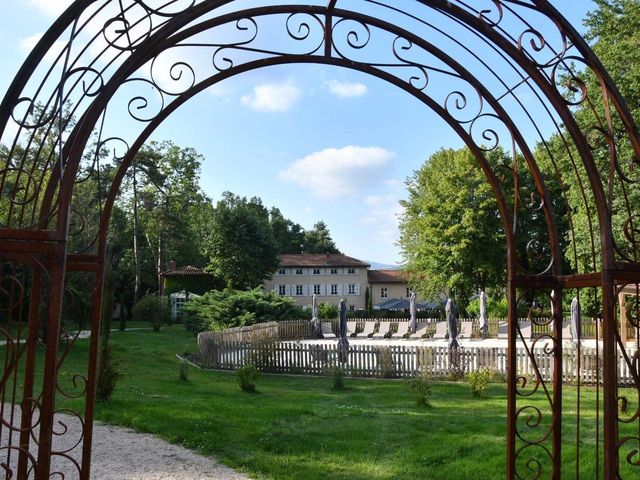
[38, 181]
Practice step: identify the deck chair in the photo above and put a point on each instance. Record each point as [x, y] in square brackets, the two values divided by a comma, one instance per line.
[382, 330]
[351, 329]
[503, 330]
[566, 330]
[525, 329]
[368, 330]
[441, 330]
[403, 329]
[466, 330]
[327, 330]
[421, 330]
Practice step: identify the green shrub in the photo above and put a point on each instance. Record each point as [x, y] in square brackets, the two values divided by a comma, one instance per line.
[478, 381]
[152, 309]
[336, 374]
[247, 376]
[421, 386]
[497, 307]
[184, 372]
[385, 362]
[220, 309]
[328, 311]
[108, 377]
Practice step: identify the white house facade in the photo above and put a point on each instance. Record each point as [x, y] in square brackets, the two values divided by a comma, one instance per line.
[329, 276]
[332, 277]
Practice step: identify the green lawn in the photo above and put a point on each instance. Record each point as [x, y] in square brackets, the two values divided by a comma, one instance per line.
[298, 428]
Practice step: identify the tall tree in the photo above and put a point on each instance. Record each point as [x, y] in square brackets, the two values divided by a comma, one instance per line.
[240, 244]
[451, 233]
[288, 236]
[319, 240]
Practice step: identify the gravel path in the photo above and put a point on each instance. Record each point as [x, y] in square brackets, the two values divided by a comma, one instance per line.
[120, 453]
[123, 454]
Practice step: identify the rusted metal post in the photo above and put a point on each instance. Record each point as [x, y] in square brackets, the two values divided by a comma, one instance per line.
[92, 376]
[511, 380]
[57, 266]
[557, 382]
[29, 370]
[609, 377]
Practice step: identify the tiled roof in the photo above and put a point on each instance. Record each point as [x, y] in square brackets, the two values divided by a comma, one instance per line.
[319, 260]
[187, 270]
[386, 276]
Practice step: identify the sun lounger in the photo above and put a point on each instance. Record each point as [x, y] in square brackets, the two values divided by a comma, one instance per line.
[368, 330]
[351, 329]
[327, 331]
[403, 329]
[525, 330]
[441, 330]
[466, 330]
[566, 331]
[382, 330]
[503, 330]
[421, 330]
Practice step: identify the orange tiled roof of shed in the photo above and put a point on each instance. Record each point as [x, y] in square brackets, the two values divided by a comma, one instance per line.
[187, 270]
[319, 260]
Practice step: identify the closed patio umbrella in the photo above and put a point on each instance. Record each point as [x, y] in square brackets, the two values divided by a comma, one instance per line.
[343, 342]
[575, 320]
[315, 317]
[413, 312]
[483, 324]
[452, 326]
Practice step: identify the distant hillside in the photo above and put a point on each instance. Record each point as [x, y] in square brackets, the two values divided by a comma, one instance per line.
[383, 266]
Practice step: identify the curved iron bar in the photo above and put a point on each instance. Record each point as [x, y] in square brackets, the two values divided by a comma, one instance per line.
[428, 48]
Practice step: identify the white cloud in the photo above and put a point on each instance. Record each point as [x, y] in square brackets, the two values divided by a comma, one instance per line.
[338, 172]
[51, 7]
[272, 97]
[346, 90]
[27, 44]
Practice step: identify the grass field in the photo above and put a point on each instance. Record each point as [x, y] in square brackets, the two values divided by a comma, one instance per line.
[299, 428]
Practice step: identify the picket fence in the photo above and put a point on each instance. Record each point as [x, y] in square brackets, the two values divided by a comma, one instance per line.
[403, 361]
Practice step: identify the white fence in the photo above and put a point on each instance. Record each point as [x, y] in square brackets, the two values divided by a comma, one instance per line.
[404, 361]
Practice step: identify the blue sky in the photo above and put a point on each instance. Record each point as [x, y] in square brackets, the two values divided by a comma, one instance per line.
[318, 142]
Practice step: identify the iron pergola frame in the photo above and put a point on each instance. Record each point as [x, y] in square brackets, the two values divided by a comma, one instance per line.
[39, 247]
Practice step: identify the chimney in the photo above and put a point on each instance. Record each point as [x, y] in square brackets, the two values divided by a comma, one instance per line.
[172, 265]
